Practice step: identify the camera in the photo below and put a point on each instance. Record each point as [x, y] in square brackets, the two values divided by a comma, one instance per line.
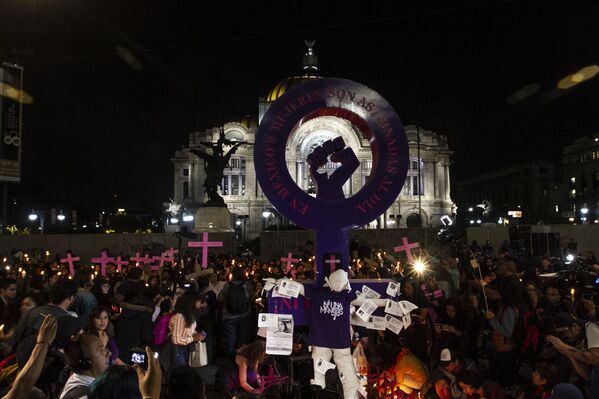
[138, 356]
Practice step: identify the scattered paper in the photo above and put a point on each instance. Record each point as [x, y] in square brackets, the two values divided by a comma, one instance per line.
[322, 366]
[407, 320]
[407, 306]
[290, 288]
[394, 324]
[356, 321]
[392, 288]
[277, 294]
[378, 323]
[393, 308]
[279, 339]
[368, 307]
[370, 293]
[268, 320]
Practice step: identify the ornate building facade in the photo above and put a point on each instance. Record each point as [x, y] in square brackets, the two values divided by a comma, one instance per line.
[426, 191]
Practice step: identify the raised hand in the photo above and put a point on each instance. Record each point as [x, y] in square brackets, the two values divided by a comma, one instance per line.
[331, 187]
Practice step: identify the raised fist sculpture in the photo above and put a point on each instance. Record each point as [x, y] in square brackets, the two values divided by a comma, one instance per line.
[331, 187]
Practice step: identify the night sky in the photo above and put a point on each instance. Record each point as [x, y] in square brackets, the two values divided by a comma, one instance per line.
[104, 124]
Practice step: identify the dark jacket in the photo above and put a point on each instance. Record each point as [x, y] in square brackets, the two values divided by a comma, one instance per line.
[134, 328]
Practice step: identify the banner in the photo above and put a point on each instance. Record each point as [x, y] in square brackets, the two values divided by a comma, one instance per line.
[11, 113]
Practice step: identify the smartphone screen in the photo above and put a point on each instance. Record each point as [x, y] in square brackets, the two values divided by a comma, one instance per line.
[138, 358]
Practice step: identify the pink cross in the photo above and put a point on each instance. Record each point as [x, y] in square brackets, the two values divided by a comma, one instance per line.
[170, 253]
[162, 258]
[137, 259]
[103, 261]
[332, 261]
[407, 248]
[69, 259]
[118, 262]
[290, 261]
[204, 244]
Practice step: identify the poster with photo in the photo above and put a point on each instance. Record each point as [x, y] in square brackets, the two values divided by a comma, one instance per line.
[279, 339]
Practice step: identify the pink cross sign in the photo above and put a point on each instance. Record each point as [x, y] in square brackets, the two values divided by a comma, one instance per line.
[290, 261]
[407, 247]
[204, 244]
[137, 259]
[170, 253]
[162, 258]
[103, 261]
[118, 262]
[70, 259]
[332, 261]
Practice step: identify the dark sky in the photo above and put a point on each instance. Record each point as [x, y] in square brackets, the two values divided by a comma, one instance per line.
[100, 126]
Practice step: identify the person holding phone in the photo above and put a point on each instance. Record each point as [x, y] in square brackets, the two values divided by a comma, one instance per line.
[182, 327]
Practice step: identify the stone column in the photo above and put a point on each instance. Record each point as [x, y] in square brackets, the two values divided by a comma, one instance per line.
[250, 178]
[447, 188]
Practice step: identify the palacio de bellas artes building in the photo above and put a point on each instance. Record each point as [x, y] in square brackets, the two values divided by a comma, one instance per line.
[428, 196]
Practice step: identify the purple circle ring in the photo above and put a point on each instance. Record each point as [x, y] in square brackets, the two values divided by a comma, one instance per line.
[362, 107]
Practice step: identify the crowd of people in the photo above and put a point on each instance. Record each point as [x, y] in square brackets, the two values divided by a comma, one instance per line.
[489, 324]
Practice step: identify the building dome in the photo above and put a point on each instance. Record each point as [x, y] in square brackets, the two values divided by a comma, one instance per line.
[286, 84]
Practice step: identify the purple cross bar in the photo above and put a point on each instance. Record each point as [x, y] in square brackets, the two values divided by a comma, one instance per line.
[70, 259]
[118, 262]
[103, 261]
[204, 244]
[290, 261]
[332, 261]
[407, 247]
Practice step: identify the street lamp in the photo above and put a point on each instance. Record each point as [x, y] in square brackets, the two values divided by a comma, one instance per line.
[61, 217]
[33, 216]
[266, 214]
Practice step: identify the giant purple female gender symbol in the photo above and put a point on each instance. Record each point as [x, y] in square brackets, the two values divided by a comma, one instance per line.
[330, 216]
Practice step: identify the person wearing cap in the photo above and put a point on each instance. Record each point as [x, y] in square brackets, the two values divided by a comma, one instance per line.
[450, 366]
[585, 361]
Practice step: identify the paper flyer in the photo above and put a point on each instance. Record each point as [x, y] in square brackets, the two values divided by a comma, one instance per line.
[322, 366]
[290, 288]
[394, 324]
[393, 288]
[279, 339]
[367, 308]
[268, 320]
[393, 308]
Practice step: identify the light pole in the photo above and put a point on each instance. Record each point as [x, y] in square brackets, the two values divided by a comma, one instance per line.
[584, 211]
[34, 216]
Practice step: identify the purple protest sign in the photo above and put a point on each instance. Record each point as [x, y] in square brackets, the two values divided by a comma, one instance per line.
[103, 260]
[70, 259]
[330, 213]
[407, 247]
[204, 244]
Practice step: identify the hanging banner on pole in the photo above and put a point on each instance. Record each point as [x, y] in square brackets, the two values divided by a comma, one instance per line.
[11, 115]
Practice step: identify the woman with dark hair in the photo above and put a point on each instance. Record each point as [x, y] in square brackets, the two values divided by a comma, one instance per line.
[101, 327]
[101, 290]
[245, 377]
[154, 281]
[182, 327]
[117, 382]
